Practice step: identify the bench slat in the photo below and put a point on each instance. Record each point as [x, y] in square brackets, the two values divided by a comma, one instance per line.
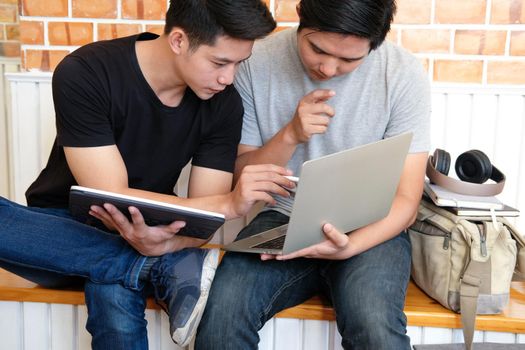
[420, 309]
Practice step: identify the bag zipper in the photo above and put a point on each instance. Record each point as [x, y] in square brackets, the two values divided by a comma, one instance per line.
[483, 239]
[431, 230]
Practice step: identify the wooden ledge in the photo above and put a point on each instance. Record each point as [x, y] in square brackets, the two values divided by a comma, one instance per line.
[420, 309]
[423, 311]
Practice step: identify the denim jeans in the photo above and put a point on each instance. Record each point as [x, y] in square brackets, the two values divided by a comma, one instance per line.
[48, 247]
[367, 292]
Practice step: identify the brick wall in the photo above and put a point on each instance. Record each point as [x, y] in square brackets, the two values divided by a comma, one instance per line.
[9, 29]
[463, 41]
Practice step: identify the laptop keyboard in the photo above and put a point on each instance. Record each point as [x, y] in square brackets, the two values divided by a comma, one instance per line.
[276, 243]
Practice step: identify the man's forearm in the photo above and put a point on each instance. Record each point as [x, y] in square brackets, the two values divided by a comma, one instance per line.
[217, 203]
[278, 150]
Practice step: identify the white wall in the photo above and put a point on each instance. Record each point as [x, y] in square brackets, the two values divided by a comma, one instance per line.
[37, 326]
[6, 65]
[464, 117]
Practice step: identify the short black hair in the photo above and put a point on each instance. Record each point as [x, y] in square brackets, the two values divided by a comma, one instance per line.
[369, 19]
[205, 20]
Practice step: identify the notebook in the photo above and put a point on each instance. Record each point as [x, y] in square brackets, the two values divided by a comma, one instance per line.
[506, 211]
[349, 189]
[446, 198]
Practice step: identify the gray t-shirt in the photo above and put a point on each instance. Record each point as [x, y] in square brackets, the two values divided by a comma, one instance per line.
[386, 95]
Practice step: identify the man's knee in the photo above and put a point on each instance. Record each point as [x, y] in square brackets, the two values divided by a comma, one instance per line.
[373, 323]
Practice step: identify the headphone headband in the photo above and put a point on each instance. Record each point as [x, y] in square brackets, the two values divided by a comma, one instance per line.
[463, 187]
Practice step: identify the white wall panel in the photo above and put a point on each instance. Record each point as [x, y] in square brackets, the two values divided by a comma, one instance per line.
[153, 329]
[28, 326]
[415, 333]
[432, 335]
[499, 337]
[316, 335]
[438, 120]
[46, 121]
[7, 65]
[37, 327]
[509, 143]
[458, 124]
[83, 338]
[11, 316]
[520, 338]
[266, 335]
[484, 121]
[335, 337]
[165, 339]
[288, 334]
[62, 322]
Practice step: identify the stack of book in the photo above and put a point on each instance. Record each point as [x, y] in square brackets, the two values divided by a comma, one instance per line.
[467, 205]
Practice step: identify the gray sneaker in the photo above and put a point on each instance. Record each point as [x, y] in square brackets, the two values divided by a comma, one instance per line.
[181, 282]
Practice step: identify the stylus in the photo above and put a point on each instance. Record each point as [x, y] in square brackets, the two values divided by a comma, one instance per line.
[292, 178]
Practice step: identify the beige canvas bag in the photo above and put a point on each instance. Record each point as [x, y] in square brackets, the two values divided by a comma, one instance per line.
[465, 263]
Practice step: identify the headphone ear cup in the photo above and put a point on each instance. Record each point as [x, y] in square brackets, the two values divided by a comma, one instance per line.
[473, 166]
[441, 161]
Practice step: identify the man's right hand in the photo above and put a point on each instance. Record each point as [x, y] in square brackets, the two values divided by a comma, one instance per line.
[147, 240]
[311, 117]
[256, 183]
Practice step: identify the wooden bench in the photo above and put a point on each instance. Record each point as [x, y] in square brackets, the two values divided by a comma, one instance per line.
[421, 310]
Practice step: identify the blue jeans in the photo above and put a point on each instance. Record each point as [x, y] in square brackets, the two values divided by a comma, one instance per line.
[48, 247]
[367, 291]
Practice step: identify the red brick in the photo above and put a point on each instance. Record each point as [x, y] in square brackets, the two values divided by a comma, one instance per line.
[157, 29]
[8, 14]
[108, 31]
[144, 9]
[32, 32]
[47, 8]
[94, 8]
[413, 11]
[10, 49]
[517, 43]
[458, 71]
[285, 10]
[460, 11]
[426, 40]
[505, 72]
[43, 60]
[13, 31]
[507, 12]
[480, 42]
[392, 35]
[70, 33]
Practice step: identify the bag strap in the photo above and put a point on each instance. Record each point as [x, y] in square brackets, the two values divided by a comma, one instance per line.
[469, 291]
[519, 271]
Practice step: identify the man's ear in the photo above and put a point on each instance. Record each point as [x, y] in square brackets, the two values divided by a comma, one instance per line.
[178, 40]
[298, 8]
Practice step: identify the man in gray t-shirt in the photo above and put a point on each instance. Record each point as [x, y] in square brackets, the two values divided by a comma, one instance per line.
[331, 84]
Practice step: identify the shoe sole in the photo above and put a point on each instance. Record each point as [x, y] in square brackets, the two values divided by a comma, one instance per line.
[184, 335]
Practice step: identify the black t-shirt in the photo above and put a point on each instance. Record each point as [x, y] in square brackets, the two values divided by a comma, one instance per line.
[101, 98]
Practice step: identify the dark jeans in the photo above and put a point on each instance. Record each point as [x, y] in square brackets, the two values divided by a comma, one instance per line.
[48, 247]
[367, 292]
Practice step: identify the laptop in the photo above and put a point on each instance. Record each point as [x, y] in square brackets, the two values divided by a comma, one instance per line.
[349, 189]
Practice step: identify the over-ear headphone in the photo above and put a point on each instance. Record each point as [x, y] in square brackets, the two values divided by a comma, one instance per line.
[473, 167]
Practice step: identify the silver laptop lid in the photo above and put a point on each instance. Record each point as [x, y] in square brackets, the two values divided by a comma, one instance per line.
[367, 178]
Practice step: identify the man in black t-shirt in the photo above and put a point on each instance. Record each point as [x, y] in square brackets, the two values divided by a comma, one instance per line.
[130, 114]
